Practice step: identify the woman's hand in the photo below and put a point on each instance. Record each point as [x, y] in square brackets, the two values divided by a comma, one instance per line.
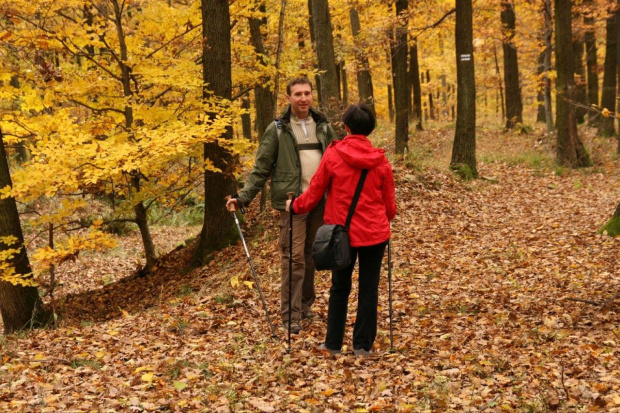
[288, 205]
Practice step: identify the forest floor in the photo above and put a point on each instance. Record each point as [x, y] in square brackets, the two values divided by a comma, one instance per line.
[498, 285]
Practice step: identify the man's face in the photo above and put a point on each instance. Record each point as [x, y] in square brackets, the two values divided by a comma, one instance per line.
[300, 99]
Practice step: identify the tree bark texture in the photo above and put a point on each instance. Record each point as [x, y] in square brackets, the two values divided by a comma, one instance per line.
[580, 78]
[500, 87]
[540, 97]
[608, 98]
[317, 77]
[416, 86]
[246, 120]
[570, 150]
[399, 52]
[364, 78]
[330, 101]
[548, 50]
[20, 306]
[514, 104]
[217, 229]
[592, 66]
[464, 147]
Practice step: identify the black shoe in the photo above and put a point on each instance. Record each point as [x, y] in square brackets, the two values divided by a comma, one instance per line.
[295, 327]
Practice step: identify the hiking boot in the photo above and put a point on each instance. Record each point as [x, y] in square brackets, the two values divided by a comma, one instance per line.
[332, 352]
[295, 327]
[308, 314]
[361, 352]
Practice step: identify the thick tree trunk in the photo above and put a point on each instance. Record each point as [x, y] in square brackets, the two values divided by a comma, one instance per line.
[20, 306]
[608, 98]
[399, 52]
[592, 65]
[514, 105]
[417, 87]
[364, 79]
[464, 147]
[217, 229]
[570, 149]
[330, 101]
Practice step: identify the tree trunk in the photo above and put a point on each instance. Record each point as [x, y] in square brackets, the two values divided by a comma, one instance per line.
[514, 105]
[264, 99]
[417, 87]
[608, 99]
[500, 88]
[246, 120]
[540, 97]
[592, 65]
[548, 49]
[570, 149]
[217, 229]
[344, 84]
[330, 101]
[317, 77]
[464, 147]
[139, 209]
[580, 78]
[431, 106]
[20, 306]
[364, 80]
[399, 52]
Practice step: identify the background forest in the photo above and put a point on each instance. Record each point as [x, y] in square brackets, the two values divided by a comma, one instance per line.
[124, 124]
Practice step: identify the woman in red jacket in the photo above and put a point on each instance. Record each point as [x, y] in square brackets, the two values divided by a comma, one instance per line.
[369, 232]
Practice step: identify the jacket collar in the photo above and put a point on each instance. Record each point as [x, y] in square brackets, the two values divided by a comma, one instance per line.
[316, 115]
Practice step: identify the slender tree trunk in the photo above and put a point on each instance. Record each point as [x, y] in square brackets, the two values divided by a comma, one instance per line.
[246, 120]
[20, 306]
[344, 84]
[364, 79]
[548, 50]
[514, 105]
[540, 97]
[570, 149]
[431, 106]
[217, 230]
[580, 78]
[330, 100]
[592, 65]
[264, 99]
[317, 77]
[399, 52]
[139, 209]
[417, 87]
[608, 99]
[464, 147]
[500, 87]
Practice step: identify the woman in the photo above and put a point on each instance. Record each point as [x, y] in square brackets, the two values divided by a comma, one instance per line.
[369, 232]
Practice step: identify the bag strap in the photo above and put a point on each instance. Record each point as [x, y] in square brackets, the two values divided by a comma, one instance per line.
[356, 197]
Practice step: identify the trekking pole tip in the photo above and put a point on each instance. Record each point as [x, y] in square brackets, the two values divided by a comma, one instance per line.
[288, 350]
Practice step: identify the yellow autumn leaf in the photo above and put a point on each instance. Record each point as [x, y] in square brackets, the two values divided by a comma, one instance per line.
[147, 377]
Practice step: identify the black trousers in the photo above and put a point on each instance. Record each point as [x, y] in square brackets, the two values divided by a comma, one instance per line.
[365, 329]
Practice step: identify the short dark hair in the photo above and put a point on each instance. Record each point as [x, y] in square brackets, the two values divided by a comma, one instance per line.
[298, 81]
[360, 119]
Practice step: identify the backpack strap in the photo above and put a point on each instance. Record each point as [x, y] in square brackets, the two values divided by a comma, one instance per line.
[356, 197]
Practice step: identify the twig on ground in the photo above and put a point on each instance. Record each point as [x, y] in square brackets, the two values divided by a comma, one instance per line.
[584, 301]
[489, 404]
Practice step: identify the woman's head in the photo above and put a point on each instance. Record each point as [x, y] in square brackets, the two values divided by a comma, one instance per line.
[359, 119]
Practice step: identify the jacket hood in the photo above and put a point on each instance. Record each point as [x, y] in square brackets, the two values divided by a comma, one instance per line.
[357, 151]
[316, 115]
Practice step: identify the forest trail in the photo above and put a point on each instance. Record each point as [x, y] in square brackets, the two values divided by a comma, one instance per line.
[483, 274]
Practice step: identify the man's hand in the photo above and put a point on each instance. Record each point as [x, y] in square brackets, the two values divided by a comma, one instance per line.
[232, 204]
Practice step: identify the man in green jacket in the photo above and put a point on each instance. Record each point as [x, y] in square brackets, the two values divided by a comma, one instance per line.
[290, 152]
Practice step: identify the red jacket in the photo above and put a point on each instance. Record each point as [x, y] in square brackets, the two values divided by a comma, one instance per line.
[339, 173]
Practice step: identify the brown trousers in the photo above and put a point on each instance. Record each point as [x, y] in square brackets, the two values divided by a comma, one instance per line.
[304, 230]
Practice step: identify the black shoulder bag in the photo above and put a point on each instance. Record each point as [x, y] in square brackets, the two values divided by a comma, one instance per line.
[331, 248]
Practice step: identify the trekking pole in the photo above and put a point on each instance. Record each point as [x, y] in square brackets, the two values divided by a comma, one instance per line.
[247, 253]
[290, 269]
[390, 293]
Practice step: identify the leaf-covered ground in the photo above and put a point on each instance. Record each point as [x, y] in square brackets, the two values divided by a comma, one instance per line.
[495, 283]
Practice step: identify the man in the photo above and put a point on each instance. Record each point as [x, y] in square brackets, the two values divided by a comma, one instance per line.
[290, 152]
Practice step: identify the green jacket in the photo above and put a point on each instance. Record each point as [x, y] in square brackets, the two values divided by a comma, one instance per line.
[278, 157]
